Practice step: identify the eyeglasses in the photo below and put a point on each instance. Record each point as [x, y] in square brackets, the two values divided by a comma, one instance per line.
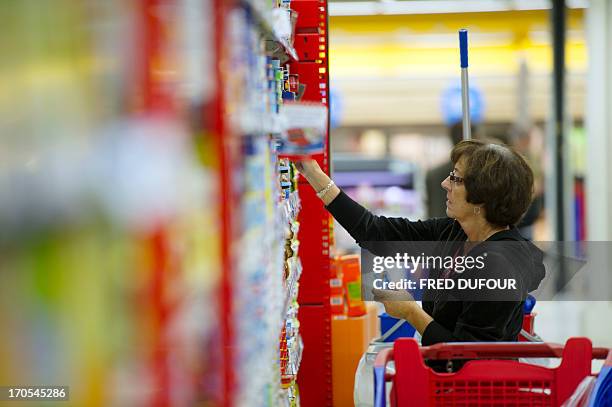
[455, 179]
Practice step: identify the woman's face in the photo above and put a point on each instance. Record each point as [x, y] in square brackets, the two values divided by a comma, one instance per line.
[457, 206]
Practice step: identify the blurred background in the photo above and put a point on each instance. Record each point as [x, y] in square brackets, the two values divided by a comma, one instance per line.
[396, 112]
[396, 87]
[119, 164]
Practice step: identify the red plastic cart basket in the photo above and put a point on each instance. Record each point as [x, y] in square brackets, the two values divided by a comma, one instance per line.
[485, 381]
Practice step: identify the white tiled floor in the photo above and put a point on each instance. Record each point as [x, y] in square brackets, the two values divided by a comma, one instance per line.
[558, 320]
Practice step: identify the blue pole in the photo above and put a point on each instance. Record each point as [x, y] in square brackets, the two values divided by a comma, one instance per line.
[465, 86]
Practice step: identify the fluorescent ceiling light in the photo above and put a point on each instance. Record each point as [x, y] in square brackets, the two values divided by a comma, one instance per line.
[394, 7]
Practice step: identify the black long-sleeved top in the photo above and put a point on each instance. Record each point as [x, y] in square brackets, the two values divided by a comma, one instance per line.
[453, 321]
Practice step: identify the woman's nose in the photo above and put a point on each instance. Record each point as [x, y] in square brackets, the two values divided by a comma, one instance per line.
[446, 184]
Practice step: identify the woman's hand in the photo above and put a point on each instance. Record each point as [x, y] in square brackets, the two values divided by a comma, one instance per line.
[400, 304]
[317, 179]
[308, 167]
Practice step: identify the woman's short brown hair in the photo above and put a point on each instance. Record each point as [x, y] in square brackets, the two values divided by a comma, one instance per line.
[498, 177]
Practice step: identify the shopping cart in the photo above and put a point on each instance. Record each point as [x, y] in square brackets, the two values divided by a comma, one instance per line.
[489, 378]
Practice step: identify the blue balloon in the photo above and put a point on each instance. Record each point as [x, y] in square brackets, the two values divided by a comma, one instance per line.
[451, 104]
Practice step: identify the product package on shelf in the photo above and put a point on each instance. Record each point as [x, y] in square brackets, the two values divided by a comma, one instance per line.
[276, 20]
[345, 287]
[305, 127]
[336, 289]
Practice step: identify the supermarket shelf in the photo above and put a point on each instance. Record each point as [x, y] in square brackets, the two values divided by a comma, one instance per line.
[266, 109]
[295, 271]
[266, 19]
[295, 357]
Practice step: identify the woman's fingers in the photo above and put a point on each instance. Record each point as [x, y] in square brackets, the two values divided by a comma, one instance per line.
[398, 304]
[306, 166]
[299, 166]
[391, 295]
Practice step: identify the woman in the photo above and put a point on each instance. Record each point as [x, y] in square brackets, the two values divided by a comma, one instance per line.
[488, 191]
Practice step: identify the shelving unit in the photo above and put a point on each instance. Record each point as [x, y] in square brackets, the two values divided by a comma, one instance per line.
[263, 237]
[311, 43]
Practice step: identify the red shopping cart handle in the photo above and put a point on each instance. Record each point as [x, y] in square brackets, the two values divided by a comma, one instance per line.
[499, 350]
[483, 350]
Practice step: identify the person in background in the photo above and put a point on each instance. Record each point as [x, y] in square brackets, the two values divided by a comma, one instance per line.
[487, 192]
[436, 196]
[521, 140]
